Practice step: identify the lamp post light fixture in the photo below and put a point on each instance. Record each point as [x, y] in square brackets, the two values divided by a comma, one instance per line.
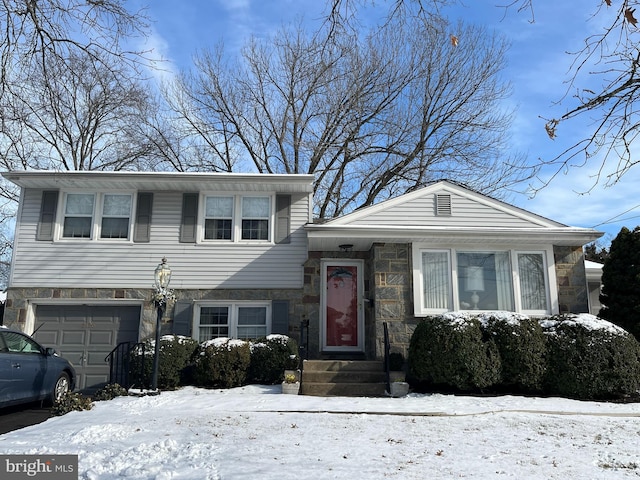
[161, 297]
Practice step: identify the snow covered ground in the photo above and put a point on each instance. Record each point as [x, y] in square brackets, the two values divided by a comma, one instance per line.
[256, 432]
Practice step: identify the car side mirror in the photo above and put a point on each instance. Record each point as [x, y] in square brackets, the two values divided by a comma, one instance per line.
[50, 352]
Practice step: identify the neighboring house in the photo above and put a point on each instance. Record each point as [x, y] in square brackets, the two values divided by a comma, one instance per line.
[594, 285]
[247, 260]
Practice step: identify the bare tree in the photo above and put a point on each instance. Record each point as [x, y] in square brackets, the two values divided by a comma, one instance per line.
[39, 31]
[79, 115]
[603, 84]
[89, 115]
[371, 115]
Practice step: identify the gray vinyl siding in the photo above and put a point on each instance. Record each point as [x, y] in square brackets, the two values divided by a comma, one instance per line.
[114, 264]
[465, 212]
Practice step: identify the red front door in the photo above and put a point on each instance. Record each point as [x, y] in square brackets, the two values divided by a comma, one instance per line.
[342, 312]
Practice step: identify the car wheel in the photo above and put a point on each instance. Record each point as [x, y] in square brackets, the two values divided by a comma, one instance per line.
[61, 387]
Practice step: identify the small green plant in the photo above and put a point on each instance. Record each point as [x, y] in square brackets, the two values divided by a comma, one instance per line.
[71, 402]
[290, 378]
[109, 392]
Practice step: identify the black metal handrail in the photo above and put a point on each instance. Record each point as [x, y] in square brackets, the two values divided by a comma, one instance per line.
[120, 364]
[387, 354]
[303, 346]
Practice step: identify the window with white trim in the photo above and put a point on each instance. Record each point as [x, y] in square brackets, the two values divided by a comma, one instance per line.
[256, 212]
[78, 215]
[507, 280]
[218, 218]
[244, 320]
[116, 216]
[237, 218]
[111, 221]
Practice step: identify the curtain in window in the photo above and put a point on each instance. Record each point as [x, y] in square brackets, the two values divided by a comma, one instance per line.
[255, 207]
[533, 289]
[436, 279]
[219, 207]
[117, 205]
[503, 281]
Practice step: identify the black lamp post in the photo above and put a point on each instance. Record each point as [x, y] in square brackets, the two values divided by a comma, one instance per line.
[162, 277]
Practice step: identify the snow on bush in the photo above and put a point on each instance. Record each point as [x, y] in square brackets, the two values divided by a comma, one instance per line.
[578, 356]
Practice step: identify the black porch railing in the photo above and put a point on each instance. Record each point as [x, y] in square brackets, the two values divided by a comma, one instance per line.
[387, 353]
[122, 370]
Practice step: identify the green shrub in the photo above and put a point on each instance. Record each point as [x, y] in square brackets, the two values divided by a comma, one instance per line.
[522, 347]
[450, 352]
[270, 357]
[71, 402]
[174, 359]
[222, 363]
[109, 392]
[590, 358]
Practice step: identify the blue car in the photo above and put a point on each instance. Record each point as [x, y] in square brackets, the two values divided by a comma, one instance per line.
[30, 372]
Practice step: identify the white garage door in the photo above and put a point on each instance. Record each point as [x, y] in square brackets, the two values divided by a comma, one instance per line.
[85, 334]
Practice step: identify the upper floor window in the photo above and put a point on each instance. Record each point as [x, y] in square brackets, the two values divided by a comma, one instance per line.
[78, 215]
[234, 218]
[218, 218]
[256, 212]
[116, 216]
[112, 220]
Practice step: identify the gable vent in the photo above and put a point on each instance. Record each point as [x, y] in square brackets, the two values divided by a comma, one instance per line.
[443, 204]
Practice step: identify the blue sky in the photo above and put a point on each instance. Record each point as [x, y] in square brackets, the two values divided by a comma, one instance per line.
[537, 68]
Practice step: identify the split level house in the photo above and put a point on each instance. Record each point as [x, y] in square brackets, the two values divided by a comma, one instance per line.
[248, 260]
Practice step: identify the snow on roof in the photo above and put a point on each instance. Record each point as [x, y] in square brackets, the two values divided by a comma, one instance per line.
[588, 264]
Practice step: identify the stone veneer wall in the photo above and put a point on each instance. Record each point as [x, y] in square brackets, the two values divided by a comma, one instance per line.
[17, 302]
[393, 296]
[572, 280]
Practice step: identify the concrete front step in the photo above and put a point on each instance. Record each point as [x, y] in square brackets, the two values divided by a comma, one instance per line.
[343, 389]
[343, 365]
[343, 376]
[352, 378]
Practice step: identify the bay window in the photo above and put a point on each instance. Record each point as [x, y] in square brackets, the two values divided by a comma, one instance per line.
[501, 280]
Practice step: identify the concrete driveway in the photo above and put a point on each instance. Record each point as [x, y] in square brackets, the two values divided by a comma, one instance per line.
[20, 416]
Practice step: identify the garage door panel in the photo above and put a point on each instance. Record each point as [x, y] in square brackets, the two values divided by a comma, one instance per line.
[86, 334]
[48, 338]
[103, 337]
[73, 337]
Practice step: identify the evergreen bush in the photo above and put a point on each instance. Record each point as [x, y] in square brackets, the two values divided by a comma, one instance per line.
[71, 402]
[522, 347]
[109, 392]
[270, 357]
[174, 361]
[451, 352]
[222, 362]
[590, 358]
